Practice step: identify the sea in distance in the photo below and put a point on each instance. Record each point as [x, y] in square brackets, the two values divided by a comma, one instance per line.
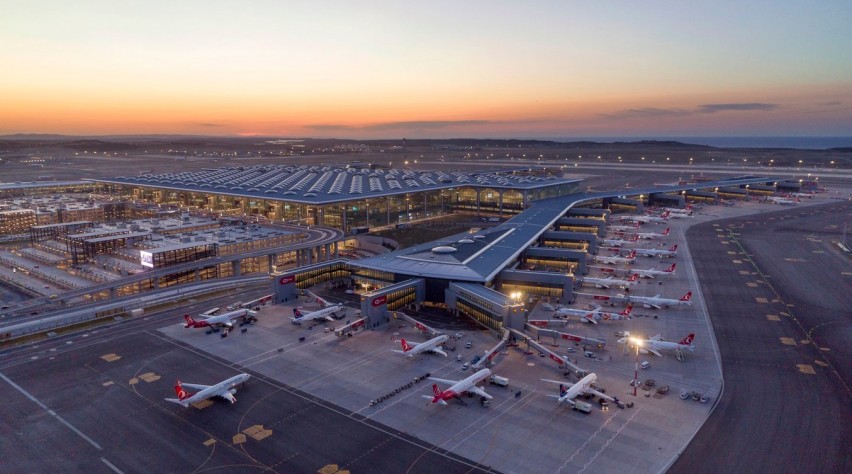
[802, 143]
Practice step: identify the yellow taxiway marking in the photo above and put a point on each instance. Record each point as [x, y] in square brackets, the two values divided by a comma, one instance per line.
[761, 299]
[110, 357]
[751, 285]
[745, 272]
[210, 442]
[806, 369]
[239, 438]
[257, 432]
[737, 261]
[331, 469]
[820, 363]
[773, 317]
[133, 381]
[825, 349]
[788, 341]
[202, 404]
[107, 384]
[149, 377]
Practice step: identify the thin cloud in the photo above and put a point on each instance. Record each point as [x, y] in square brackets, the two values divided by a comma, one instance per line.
[431, 124]
[648, 112]
[209, 124]
[329, 127]
[830, 103]
[736, 107]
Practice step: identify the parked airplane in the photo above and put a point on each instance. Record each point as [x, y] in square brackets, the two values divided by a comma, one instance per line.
[619, 242]
[432, 345]
[599, 314]
[610, 281]
[782, 201]
[652, 273]
[680, 215]
[656, 344]
[224, 389]
[656, 302]
[653, 235]
[661, 219]
[225, 320]
[593, 315]
[672, 252]
[457, 387]
[623, 228]
[802, 195]
[676, 210]
[328, 312]
[569, 391]
[617, 259]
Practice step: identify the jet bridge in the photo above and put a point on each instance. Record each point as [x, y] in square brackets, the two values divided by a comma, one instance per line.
[417, 324]
[539, 332]
[486, 360]
[564, 362]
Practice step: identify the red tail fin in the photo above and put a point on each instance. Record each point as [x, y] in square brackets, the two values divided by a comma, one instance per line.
[674, 248]
[687, 296]
[405, 346]
[672, 268]
[687, 341]
[189, 321]
[666, 232]
[633, 277]
[435, 390]
[632, 254]
[627, 310]
[181, 393]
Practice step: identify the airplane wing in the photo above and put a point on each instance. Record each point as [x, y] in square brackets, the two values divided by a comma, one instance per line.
[227, 395]
[195, 386]
[600, 394]
[654, 351]
[448, 382]
[439, 351]
[479, 391]
[559, 382]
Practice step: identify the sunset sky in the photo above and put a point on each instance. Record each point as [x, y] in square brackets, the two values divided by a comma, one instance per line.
[375, 69]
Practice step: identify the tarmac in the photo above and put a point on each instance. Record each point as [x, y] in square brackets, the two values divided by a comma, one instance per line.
[308, 406]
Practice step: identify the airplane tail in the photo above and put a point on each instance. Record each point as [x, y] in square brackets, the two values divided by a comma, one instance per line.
[189, 321]
[674, 248]
[436, 390]
[632, 254]
[296, 313]
[562, 390]
[635, 238]
[181, 393]
[687, 341]
[671, 269]
[666, 232]
[633, 277]
[686, 297]
[627, 311]
[666, 215]
[405, 346]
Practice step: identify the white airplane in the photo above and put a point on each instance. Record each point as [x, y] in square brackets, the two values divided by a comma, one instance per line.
[617, 259]
[224, 389]
[432, 345]
[610, 281]
[656, 302]
[327, 312]
[680, 215]
[569, 391]
[623, 228]
[593, 315]
[672, 252]
[782, 201]
[225, 320]
[661, 219]
[653, 235]
[652, 273]
[802, 195]
[676, 210]
[656, 344]
[619, 242]
[457, 387]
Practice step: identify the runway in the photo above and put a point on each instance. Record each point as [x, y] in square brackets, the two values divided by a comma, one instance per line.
[777, 291]
[95, 404]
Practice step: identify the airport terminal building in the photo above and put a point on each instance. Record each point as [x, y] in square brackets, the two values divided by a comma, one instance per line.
[348, 199]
